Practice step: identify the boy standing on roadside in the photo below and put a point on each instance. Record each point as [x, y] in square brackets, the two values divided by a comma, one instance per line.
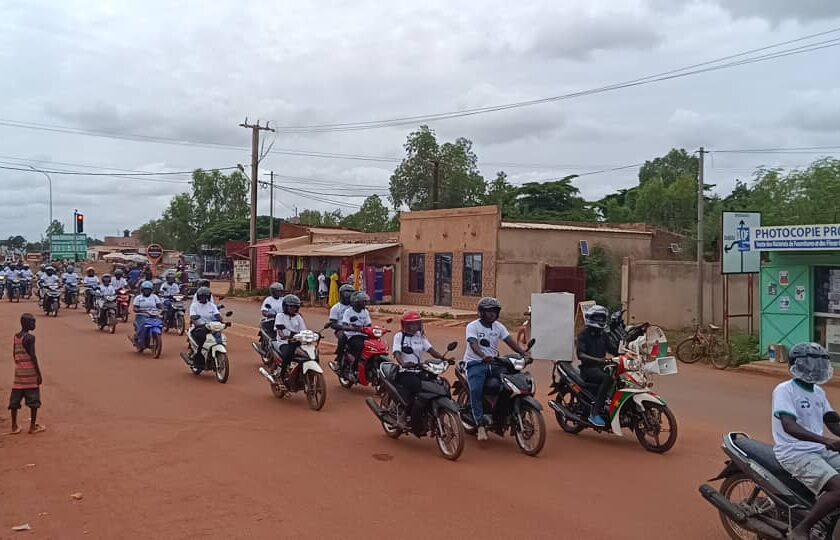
[27, 376]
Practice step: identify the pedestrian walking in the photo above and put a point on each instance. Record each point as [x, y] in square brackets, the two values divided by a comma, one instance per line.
[27, 383]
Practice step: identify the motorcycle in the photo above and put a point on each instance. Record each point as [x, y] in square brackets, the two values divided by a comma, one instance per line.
[52, 300]
[632, 406]
[2, 286]
[123, 303]
[27, 288]
[214, 350]
[374, 353]
[440, 414]
[150, 335]
[303, 373]
[89, 294]
[71, 296]
[508, 401]
[173, 314]
[15, 290]
[105, 311]
[758, 498]
[266, 335]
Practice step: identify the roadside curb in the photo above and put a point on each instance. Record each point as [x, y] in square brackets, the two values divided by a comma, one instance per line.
[778, 371]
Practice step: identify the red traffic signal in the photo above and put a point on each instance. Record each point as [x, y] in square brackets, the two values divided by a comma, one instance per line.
[80, 223]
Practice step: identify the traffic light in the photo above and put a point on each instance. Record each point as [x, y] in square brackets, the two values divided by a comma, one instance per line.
[80, 223]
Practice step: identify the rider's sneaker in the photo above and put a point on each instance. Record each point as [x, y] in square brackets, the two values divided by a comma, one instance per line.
[597, 420]
[481, 435]
[333, 365]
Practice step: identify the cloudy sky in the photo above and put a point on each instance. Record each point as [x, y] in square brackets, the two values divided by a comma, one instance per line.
[193, 70]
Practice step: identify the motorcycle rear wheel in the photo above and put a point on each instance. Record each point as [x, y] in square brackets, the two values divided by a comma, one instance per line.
[387, 404]
[741, 491]
[450, 434]
[316, 390]
[532, 440]
[222, 367]
[642, 430]
[568, 400]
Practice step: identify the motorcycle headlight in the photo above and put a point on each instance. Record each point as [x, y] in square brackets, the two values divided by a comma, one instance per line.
[377, 333]
[436, 368]
[518, 363]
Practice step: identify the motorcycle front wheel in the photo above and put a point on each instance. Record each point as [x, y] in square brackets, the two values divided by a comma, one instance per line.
[656, 420]
[316, 390]
[741, 491]
[179, 324]
[462, 398]
[156, 345]
[449, 434]
[112, 322]
[529, 430]
[222, 367]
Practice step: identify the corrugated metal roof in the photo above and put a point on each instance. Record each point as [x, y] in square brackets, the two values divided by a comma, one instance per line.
[558, 227]
[331, 250]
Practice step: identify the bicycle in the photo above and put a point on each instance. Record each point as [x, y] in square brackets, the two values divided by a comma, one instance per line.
[705, 342]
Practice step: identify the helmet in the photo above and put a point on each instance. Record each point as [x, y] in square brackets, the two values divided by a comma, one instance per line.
[26, 267]
[156, 283]
[345, 293]
[118, 272]
[203, 293]
[488, 303]
[170, 276]
[106, 277]
[70, 269]
[49, 269]
[411, 319]
[290, 300]
[43, 266]
[146, 285]
[204, 283]
[276, 289]
[596, 317]
[90, 271]
[359, 300]
[810, 362]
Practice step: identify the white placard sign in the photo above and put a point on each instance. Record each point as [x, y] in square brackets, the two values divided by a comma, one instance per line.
[739, 256]
[553, 325]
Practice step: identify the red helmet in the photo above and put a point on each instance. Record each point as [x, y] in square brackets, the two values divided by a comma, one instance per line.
[411, 317]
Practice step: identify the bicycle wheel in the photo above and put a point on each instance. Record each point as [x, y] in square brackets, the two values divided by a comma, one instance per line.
[720, 354]
[689, 350]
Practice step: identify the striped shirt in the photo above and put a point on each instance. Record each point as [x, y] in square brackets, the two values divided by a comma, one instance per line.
[26, 376]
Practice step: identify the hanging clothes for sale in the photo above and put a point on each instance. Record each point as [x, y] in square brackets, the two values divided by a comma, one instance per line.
[333, 289]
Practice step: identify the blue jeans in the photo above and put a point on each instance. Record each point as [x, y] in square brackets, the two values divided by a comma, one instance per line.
[138, 324]
[477, 374]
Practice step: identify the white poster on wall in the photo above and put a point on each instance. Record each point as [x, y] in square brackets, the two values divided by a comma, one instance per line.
[553, 325]
[739, 255]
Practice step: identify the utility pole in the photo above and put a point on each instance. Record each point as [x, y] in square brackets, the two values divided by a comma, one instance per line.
[700, 188]
[271, 208]
[255, 164]
[436, 185]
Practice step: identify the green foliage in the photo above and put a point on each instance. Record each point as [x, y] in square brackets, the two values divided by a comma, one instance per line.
[673, 166]
[744, 348]
[15, 242]
[460, 184]
[371, 217]
[315, 218]
[601, 277]
[501, 193]
[547, 201]
[56, 227]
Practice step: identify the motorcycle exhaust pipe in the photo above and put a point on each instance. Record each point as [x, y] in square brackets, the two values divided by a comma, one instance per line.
[723, 504]
[256, 348]
[264, 372]
[373, 406]
[566, 412]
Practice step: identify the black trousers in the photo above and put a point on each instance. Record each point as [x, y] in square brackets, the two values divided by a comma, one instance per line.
[355, 344]
[594, 374]
[199, 334]
[342, 344]
[286, 352]
[409, 383]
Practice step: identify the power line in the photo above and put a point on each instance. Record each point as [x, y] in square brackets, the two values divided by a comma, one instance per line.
[663, 76]
[780, 150]
[129, 175]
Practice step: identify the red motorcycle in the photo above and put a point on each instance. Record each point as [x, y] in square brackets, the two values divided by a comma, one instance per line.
[123, 303]
[374, 353]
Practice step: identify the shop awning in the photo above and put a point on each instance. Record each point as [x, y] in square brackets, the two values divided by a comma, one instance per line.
[331, 249]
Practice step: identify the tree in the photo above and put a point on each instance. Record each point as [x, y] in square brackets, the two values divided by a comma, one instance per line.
[217, 197]
[56, 227]
[673, 166]
[315, 218]
[16, 242]
[601, 277]
[459, 182]
[371, 217]
[558, 200]
[503, 194]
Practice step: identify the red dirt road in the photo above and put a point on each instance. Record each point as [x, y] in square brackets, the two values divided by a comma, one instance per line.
[160, 453]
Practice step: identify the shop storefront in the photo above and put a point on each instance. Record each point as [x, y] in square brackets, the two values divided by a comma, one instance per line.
[800, 285]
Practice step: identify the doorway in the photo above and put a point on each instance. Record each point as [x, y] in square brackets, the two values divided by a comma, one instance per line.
[443, 279]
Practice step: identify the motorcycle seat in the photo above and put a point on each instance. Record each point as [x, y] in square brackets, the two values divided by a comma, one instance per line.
[389, 371]
[762, 453]
[574, 374]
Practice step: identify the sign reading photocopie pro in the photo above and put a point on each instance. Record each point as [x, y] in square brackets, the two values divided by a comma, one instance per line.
[797, 238]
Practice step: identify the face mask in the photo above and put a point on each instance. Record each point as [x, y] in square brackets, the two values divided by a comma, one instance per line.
[812, 369]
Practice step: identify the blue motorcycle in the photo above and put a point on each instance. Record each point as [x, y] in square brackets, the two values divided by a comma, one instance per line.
[150, 335]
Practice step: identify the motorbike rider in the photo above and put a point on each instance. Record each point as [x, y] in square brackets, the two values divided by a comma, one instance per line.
[204, 283]
[409, 345]
[287, 323]
[271, 306]
[345, 293]
[169, 288]
[48, 280]
[483, 336]
[593, 344]
[70, 277]
[91, 283]
[107, 288]
[800, 410]
[354, 319]
[40, 273]
[143, 303]
[27, 275]
[202, 311]
[119, 281]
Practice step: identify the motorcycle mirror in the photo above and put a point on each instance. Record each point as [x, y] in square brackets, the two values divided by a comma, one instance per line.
[407, 350]
[531, 344]
[228, 314]
[327, 325]
[452, 346]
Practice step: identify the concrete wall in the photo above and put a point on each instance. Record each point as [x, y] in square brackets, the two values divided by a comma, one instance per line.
[457, 231]
[665, 293]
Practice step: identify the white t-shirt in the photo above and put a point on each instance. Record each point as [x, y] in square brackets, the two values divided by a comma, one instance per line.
[293, 325]
[119, 283]
[488, 339]
[337, 311]
[47, 281]
[90, 281]
[145, 303]
[808, 407]
[322, 283]
[418, 343]
[273, 304]
[70, 278]
[108, 290]
[167, 289]
[206, 312]
[362, 320]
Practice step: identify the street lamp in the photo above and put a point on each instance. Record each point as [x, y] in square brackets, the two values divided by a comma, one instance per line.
[49, 182]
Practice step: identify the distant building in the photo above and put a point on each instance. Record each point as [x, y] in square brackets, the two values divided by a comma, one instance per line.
[130, 240]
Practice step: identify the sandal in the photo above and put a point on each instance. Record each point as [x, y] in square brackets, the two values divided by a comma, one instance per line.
[38, 429]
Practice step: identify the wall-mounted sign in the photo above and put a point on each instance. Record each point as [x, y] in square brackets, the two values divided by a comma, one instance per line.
[797, 238]
[784, 303]
[739, 256]
[154, 252]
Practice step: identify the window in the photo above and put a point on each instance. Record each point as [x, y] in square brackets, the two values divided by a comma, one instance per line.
[472, 274]
[416, 272]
